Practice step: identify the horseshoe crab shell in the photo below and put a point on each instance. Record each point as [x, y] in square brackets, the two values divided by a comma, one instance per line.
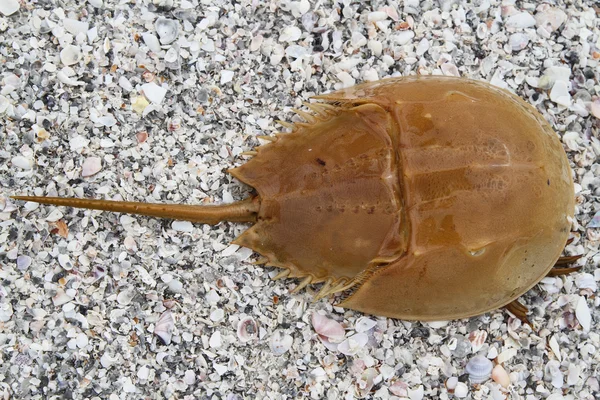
[427, 198]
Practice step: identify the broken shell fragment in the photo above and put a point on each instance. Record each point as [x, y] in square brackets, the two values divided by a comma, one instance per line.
[364, 324]
[280, 343]
[164, 327]
[500, 376]
[353, 344]
[247, 329]
[167, 30]
[330, 329]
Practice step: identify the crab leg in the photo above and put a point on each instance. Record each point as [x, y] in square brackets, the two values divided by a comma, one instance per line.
[519, 311]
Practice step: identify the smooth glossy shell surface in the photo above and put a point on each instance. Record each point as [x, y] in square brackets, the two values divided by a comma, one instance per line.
[442, 198]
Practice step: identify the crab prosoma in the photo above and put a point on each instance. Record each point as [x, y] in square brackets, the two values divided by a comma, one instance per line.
[421, 198]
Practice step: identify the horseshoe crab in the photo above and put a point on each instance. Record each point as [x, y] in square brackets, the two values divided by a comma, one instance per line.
[418, 198]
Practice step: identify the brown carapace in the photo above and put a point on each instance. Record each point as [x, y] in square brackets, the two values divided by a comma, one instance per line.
[420, 198]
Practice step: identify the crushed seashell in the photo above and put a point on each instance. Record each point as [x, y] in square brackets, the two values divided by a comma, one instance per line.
[500, 376]
[328, 328]
[164, 327]
[91, 166]
[582, 312]
[247, 330]
[364, 324]
[353, 344]
[280, 342]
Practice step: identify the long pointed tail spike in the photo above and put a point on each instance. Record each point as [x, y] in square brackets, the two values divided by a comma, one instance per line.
[241, 211]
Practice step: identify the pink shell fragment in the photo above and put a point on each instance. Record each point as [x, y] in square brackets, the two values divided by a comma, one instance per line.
[329, 329]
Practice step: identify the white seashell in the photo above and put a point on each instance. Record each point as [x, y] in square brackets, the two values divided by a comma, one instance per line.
[449, 69]
[91, 166]
[290, 34]
[70, 55]
[560, 94]
[256, 42]
[477, 339]
[280, 343]
[107, 120]
[143, 373]
[404, 37]
[215, 340]
[586, 281]
[416, 394]
[6, 312]
[479, 369]
[461, 390]
[358, 40]
[555, 348]
[153, 92]
[175, 286]
[9, 7]
[500, 376]
[167, 30]
[212, 297]
[22, 162]
[182, 226]
[556, 73]
[376, 16]
[217, 315]
[595, 109]
[23, 262]
[506, 355]
[518, 41]
[61, 298]
[164, 327]
[573, 374]
[520, 20]
[553, 374]
[550, 18]
[75, 27]
[353, 344]
[376, 47]
[172, 55]
[125, 297]
[189, 377]
[422, 47]
[65, 261]
[399, 389]
[107, 361]
[296, 51]
[299, 8]
[226, 76]
[482, 30]
[247, 330]
[451, 383]
[365, 382]
[152, 42]
[582, 312]
[364, 324]
[332, 330]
